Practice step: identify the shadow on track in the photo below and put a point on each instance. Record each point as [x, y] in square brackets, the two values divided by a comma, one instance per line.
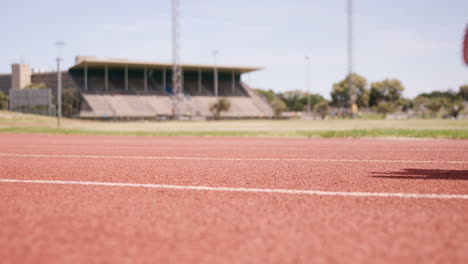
[424, 174]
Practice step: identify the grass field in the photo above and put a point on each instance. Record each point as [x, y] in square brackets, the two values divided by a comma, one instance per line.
[433, 128]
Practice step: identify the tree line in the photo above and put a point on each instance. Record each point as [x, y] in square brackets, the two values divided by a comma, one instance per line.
[381, 97]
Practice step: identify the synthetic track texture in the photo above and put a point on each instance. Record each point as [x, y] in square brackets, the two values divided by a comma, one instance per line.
[56, 223]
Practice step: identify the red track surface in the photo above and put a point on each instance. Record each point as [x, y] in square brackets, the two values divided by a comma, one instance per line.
[74, 223]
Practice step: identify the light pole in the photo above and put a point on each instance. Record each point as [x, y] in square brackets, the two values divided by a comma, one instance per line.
[59, 45]
[307, 58]
[352, 90]
[215, 72]
[176, 67]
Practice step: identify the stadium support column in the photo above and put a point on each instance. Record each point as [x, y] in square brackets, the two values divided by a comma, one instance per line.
[145, 77]
[199, 82]
[233, 83]
[164, 79]
[215, 73]
[86, 77]
[126, 78]
[106, 78]
[216, 81]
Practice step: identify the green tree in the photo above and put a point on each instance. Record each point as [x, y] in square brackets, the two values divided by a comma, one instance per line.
[385, 107]
[71, 102]
[406, 104]
[314, 100]
[269, 95]
[3, 101]
[419, 105]
[455, 109]
[293, 100]
[296, 100]
[278, 107]
[341, 91]
[389, 90]
[40, 85]
[435, 104]
[322, 109]
[449, 94]
[221, 105]
[437, 100]
[463, 92]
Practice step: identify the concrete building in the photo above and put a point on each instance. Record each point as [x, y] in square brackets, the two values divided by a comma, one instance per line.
[122, 89]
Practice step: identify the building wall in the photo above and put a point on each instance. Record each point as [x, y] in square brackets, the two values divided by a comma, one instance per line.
[5, 83]
[50, 79]
[21, 76]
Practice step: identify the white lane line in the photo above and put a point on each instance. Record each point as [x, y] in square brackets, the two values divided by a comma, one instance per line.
[228, 159]
[201, 148]
[247, 190]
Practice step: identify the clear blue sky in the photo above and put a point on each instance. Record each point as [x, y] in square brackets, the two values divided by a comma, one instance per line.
[417, 41]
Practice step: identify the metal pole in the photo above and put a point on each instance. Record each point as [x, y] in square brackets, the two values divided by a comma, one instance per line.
[59, 92]
[176, 69]
[145, 79]
[350, 54]
[308, 82]
[59, 83]
[215, 73]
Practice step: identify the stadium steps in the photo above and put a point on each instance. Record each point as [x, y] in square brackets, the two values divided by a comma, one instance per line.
[99, 106]
[145, 105]
[260, 103]
[120, 105]
[139, 106]
[160, 105]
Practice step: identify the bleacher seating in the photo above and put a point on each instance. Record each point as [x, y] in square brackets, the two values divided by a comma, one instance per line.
[117, 82]
[161, 105]
[157, 100]
[99, 107]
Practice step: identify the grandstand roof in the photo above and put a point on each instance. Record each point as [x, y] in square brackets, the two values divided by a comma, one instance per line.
[115, 63]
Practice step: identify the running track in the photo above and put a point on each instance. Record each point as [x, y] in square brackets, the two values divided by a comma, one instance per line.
[96, 199]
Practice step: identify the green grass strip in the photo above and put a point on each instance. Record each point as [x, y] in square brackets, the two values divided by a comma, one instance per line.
[355, 133]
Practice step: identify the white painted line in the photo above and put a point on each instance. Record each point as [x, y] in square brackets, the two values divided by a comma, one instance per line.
[237, 147]
[227, 159]
[248, 190]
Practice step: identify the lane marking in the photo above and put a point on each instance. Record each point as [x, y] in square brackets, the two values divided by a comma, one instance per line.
[245, 190]
[227, 159]
[311, 148]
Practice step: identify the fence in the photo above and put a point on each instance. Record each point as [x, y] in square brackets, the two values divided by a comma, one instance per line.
[34, 101]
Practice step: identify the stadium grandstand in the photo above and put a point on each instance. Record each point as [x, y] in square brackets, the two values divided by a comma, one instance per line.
[123, 89]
